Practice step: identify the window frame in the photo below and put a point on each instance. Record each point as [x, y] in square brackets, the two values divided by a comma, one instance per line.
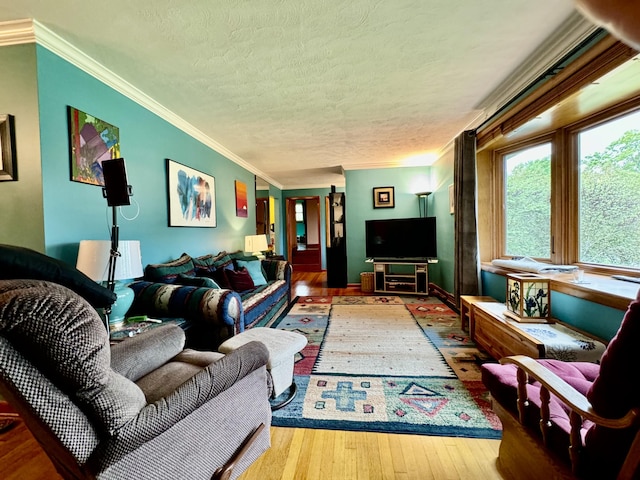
[564, 188]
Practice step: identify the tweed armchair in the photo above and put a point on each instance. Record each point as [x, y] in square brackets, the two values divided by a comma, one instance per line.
[143, 408]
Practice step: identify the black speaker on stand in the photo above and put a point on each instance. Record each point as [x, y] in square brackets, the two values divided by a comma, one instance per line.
[117, 192]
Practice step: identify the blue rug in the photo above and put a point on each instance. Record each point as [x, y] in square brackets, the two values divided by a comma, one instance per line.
[386, 364]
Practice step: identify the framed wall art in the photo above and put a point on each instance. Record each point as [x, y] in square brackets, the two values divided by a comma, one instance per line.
[242, 209]
[192, 196]
[8, 164]
[91, 141]
[383, 197]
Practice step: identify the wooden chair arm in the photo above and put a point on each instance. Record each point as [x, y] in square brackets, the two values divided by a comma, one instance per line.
[225, 471]
[569, 395]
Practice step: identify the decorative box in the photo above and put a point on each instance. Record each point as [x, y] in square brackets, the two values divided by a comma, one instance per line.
[528, 298]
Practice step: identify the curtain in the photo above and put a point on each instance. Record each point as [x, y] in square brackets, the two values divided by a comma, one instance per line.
[466, 260]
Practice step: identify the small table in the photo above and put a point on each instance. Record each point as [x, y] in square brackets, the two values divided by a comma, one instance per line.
[502, 336]
[131, 329]
[466, 312]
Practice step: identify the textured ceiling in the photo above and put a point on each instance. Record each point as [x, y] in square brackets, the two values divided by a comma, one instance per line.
[300, 89]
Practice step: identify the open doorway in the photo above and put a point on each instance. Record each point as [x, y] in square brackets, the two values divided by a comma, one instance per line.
[303, 233]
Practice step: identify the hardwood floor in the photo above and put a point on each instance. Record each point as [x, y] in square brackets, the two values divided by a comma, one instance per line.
[308, 454]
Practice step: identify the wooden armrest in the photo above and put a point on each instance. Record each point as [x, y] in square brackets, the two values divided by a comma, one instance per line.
[225, 471]
[569, 395]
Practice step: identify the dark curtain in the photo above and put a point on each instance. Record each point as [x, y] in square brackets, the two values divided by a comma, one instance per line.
[466, 262]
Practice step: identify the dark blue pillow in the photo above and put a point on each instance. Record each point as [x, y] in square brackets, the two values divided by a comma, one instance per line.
[24, 263]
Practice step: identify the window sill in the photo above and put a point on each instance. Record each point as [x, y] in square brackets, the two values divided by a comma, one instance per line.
[596, 288]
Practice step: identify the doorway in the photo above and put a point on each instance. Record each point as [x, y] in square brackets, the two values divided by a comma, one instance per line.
[303, 233]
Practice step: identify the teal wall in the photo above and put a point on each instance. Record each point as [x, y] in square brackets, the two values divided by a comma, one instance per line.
[75, 211]
[596, 319]
[359, 207]
[442, 273]
[21, 212]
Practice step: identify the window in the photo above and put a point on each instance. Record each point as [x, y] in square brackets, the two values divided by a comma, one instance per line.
[609, 192]
[527, 205]
[592, 217]
[299, 212]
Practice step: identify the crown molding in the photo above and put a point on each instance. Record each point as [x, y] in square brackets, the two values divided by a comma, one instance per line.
[31, 31]
[17, 32]
[575, 30]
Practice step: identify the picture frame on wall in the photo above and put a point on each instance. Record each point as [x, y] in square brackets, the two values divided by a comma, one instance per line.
[8, 163]
[91, 141]
[242, 208]
[384, 197]
[191, 196]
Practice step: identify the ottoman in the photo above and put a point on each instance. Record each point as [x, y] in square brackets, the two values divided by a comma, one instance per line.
[282, 346]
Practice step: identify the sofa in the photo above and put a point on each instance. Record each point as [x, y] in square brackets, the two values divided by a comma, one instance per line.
[570, 419]
[219, 295]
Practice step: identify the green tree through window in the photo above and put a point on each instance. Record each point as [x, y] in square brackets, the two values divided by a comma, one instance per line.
[527, 202]
[610, 202]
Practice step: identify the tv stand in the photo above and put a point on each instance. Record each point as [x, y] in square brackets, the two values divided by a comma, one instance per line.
[401, 276]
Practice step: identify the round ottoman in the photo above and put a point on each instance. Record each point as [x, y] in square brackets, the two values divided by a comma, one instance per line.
[282, 346]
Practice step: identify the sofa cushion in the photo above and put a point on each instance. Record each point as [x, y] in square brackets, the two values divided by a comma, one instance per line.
[240, 280]
[254, 267]
[168, 272]
[20, 262]
[200, 281]
[63, 336]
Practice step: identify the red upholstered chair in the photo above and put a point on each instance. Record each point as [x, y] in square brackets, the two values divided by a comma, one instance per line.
[571, 419]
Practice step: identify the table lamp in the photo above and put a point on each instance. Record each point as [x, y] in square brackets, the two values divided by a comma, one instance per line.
[93, 261]
[256, 244]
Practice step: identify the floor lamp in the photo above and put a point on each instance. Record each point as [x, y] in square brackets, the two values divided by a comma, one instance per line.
[117, 192]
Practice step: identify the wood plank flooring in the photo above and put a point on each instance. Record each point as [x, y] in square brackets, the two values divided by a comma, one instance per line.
[308, 454]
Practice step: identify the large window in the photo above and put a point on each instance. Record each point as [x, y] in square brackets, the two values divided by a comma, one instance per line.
[527, 174]
[609, 192]
[580, 205]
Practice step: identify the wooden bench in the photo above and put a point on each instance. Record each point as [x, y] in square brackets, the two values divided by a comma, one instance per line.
[501, 336]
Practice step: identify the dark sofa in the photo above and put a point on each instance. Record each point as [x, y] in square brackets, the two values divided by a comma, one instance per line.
[219, 295]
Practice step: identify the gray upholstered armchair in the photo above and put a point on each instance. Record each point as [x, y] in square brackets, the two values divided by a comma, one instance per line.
[144, 408]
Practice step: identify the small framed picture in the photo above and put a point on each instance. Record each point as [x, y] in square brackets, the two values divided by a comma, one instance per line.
[383, 197]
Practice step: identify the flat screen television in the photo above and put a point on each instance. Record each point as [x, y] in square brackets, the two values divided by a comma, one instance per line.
[401, 238]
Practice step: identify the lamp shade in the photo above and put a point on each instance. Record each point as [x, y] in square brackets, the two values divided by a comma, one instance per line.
[93, 259]
[255, 243]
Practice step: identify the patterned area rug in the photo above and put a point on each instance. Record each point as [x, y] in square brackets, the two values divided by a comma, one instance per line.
[386, 364]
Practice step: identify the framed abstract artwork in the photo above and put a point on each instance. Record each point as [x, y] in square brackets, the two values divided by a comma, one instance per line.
[242, 209]
[8, 164]
[192, 196]
[91, 141]
[383, 197]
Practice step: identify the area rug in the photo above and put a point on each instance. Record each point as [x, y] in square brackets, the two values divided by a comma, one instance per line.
[386, 364]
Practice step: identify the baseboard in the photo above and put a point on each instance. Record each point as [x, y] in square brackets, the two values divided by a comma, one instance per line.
[443, 295]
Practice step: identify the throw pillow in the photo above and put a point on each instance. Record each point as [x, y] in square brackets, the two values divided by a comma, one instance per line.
[168, 272]
[21, 262]
[224, 261]
[254, 267]
[201, 281]
[220, 277]
[240, 280]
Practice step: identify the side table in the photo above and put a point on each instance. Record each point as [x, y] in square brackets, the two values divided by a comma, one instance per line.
[466, 311]
[502, 336]
[131, 329]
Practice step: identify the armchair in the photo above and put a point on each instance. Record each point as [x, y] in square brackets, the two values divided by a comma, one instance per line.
[143, 408]
[571, 419]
